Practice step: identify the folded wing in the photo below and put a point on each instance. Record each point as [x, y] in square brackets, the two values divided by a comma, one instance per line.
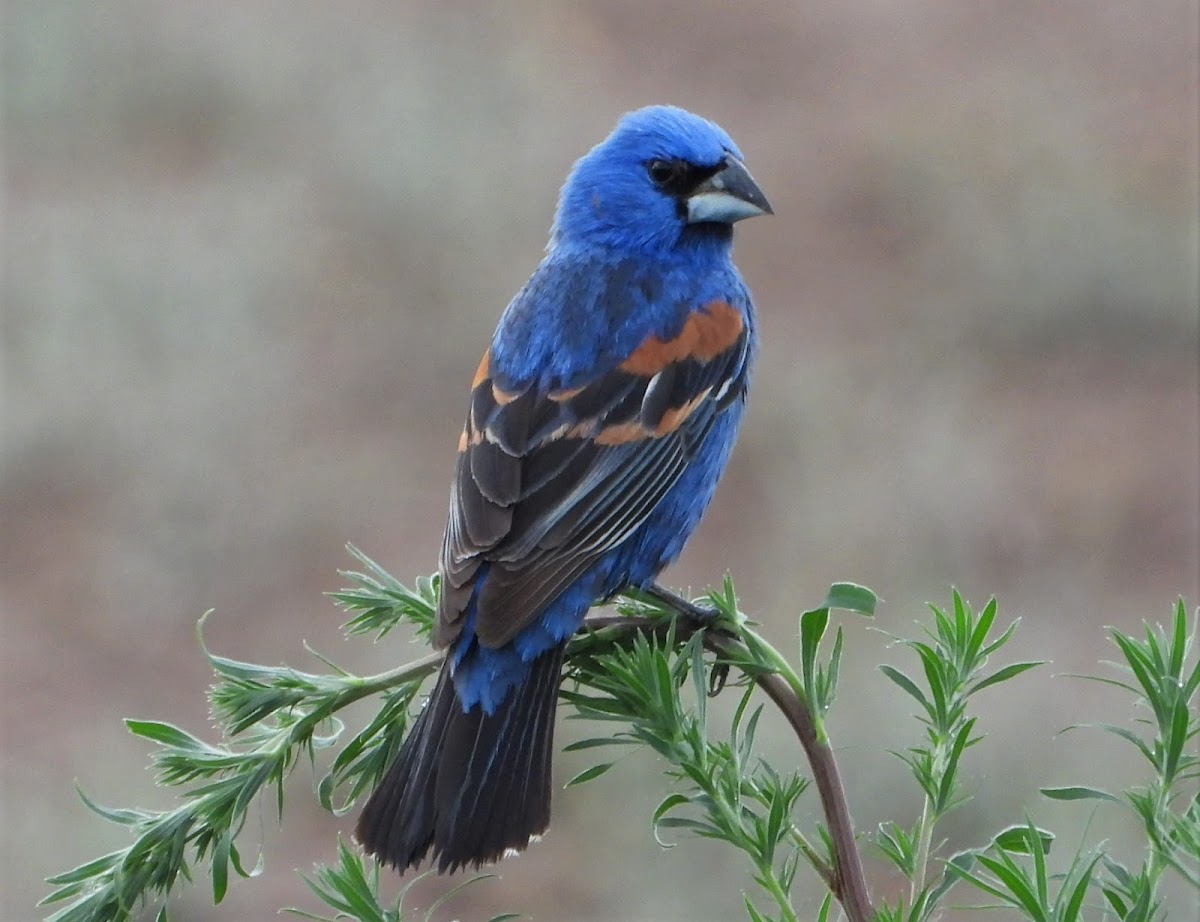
[547, 482]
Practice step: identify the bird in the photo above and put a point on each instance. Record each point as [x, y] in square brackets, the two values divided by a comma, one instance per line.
[600, 419]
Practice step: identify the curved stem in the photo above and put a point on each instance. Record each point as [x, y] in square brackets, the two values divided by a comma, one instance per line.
[847, 881]
[849, 884]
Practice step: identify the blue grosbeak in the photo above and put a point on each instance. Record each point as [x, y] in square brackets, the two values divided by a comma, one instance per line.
[600, 419]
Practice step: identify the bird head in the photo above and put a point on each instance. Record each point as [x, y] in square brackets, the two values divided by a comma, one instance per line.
[662, 179]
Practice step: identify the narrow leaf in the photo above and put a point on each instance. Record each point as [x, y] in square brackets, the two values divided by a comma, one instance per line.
[1079, 891]
[812, 629]
[597, 742]
[905, 683]
[1003, 675]
[1079, 792]
[113, 814]
[220, 868]
[166, 735]
[589, 774]
[86, 871]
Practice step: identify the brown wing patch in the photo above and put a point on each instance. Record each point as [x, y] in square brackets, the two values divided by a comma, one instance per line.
[503, 397]
[706, 334]
[565, 395]
[620, 434]
[548, 481]
[675, 417]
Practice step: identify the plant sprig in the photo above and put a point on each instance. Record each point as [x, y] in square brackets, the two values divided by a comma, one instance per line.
[953, 660]
[646, 673]
[1162, 672]
[743, 801]
[275, 716]
[272, 716]
[352, 891]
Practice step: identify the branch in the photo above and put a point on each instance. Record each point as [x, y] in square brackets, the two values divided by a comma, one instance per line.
[274, 715]
[846, 880]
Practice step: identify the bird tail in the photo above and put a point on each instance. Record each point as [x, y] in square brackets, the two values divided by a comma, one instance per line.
[471, 786]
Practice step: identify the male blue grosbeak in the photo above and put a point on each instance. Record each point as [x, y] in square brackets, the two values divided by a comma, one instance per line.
[600, 419]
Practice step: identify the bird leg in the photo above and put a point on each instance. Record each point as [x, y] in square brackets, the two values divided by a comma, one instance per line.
[700, 615]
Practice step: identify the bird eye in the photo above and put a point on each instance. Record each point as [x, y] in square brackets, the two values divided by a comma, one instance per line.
[662, 172]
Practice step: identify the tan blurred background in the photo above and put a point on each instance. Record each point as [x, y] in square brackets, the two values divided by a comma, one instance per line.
[254, 249]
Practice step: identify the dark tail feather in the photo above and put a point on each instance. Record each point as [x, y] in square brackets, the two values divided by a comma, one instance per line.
[470, 785]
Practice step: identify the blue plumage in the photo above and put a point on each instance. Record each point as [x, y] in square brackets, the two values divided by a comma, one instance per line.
[569, 323]
[601, 418]
[606, 202]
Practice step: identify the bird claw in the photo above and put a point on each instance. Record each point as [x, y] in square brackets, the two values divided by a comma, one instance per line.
[699, 615]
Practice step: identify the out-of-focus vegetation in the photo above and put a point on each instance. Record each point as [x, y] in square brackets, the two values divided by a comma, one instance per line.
[253, 251]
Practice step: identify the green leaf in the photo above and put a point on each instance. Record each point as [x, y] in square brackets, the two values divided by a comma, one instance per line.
[597, 741]
[683, 822]
[1005, 637]
[86, 871]
[906, 684]
[1192, 682]
[897, 845]
[235, 858]
[166, 735]
[853, 598]
[960, 863]
[667, 804]
[835, 665]
[1126, 734]
[220, 868]
[1037, 848]
[123, 817]
[1003, 675]
[1075, 902]
[812, 629]
[325, 789]
[248, 673]
[953, 757]
[932, 896]
[1017, 839]
[1018, 885]
[1176, 737]
[751, 911]
[1079, 792]
[1139, 662]
[986, 618]
[933, 665]
[590, 774]
[1178, 645]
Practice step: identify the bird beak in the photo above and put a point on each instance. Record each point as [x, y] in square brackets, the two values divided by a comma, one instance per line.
[729, 195]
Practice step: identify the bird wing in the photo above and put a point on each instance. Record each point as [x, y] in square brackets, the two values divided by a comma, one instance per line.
[547, 482]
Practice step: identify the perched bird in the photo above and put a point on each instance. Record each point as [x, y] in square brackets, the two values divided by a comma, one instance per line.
[600, 419]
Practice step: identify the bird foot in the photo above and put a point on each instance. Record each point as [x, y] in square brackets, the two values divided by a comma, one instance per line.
[700, 615]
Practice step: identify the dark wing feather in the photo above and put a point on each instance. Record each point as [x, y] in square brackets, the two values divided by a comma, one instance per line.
[548, 482]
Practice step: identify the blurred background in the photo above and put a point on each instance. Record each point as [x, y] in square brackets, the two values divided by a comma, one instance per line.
[254, 249]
